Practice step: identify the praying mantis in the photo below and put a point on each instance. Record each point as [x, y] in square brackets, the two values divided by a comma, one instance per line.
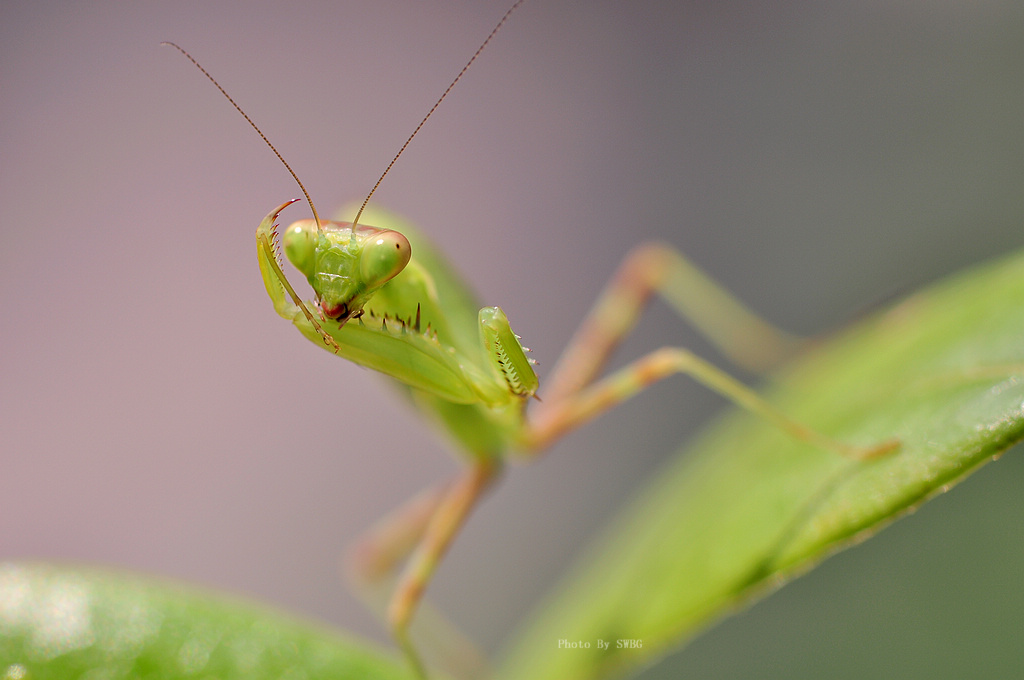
[384, 299]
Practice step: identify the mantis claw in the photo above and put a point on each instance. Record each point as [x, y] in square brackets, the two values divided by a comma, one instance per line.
[266, 239]
[270, 221]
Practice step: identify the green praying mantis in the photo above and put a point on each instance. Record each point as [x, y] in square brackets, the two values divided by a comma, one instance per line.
[386, 300]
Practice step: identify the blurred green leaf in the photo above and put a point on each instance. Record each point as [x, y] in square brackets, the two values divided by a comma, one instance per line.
[61, 623]
[745, 508]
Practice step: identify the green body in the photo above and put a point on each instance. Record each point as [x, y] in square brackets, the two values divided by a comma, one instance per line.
[413, 321]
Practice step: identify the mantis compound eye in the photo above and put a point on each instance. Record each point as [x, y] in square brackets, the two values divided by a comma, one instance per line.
[384, 256]
[299, 243]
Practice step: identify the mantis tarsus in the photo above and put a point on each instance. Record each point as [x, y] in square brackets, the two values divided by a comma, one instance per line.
[385, 300]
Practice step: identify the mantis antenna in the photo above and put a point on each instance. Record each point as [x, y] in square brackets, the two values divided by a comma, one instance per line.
[497, 27]
[277, 153]
[316, 216]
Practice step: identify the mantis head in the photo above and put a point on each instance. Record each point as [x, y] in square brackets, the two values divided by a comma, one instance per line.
[345, 266]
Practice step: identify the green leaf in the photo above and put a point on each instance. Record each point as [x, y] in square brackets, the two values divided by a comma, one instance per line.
[60, 623]
[746, 508]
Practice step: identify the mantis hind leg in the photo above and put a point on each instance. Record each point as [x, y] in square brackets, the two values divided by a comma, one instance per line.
[558, 418]
[574, 395]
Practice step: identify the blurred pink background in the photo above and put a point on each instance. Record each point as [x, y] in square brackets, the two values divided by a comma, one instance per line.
[155, 413]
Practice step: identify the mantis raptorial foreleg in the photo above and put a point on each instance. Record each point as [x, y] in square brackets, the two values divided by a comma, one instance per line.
[574, 397]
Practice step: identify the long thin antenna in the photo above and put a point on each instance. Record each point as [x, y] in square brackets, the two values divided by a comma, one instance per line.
[254, 127]
[433, 108]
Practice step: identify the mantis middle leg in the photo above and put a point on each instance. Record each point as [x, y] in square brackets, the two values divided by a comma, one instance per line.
[574, 396]
[422, 531]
